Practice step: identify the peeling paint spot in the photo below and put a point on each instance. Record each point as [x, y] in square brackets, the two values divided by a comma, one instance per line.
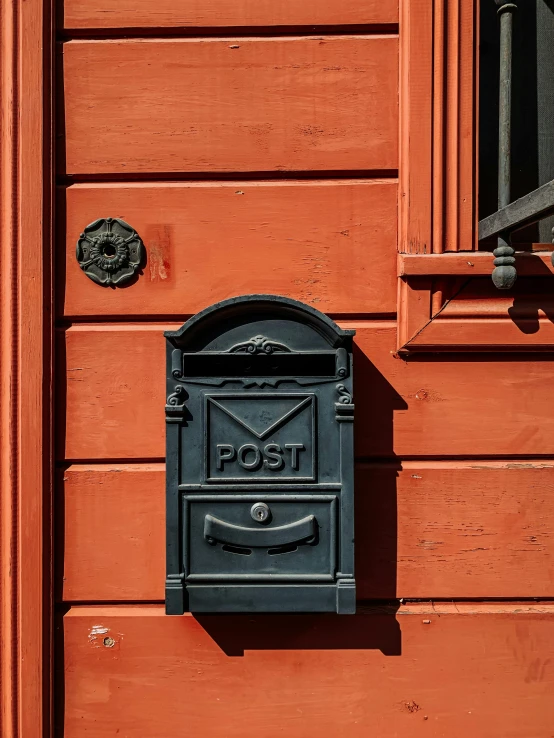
[158, 239]
[95, 631]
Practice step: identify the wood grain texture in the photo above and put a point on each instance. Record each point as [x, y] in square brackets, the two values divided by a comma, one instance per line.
[331, 244]
[416, 130]
[25, 369]
[438, 111]
[478, 298]
[221, 13]
[470, 314]
[455, 125]
[114, 532]
[8, 372]
[489, 334]
[423, 530]
[471, 264]
[480, 671]
[433, 406]
[235, 104]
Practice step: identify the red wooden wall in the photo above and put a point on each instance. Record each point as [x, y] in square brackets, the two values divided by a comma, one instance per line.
[255, 148]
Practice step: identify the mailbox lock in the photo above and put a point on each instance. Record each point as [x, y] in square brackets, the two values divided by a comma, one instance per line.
[260, 512]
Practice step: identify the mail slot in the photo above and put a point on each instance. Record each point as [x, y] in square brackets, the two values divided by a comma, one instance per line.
[260, 468]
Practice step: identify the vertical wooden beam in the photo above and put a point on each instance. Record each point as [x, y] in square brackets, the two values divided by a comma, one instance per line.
[455, 29]
[25, 367]
[438, 126]
[415, 166]
[439, 103]
[8, 344]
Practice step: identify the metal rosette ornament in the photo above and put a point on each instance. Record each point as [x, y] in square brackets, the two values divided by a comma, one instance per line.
[110, 251]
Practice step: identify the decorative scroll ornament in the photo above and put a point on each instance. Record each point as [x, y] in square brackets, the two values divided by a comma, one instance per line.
[177, 397]
[110, 251]
[345, 398]
[259, 345]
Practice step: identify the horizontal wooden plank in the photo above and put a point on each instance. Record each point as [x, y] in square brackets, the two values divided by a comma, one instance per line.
[124, 507]
[475, 334]
[234, 104]
[448, 406]
[423, 530]
[529, 299]
[331, 244]
[470, 263]
[480, 317]
[221, 13]
[480, 671]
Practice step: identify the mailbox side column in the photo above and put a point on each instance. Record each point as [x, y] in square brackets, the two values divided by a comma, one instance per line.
[346, 585]
[174, 416]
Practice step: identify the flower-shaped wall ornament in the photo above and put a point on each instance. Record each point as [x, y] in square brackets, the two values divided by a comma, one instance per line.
[109, 251]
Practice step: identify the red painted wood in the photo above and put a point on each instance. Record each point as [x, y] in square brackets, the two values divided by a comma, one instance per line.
[217, 13]
[485, 671]
[476, 264]
[416, 106]
[455, 314]
[25, 369]
[331, 244]
[451, 406]
[423, 530]
[231, 105]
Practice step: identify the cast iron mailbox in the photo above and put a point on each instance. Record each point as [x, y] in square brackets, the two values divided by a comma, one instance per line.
[260, 464]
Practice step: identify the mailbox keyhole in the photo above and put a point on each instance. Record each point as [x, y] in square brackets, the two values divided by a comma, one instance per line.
[260, 512]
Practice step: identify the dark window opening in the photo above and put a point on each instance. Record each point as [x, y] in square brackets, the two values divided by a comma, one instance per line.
[532, 111]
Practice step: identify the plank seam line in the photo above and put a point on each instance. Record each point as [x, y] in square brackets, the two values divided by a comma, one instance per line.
[67, 322]
[224, 33]
[314, 176]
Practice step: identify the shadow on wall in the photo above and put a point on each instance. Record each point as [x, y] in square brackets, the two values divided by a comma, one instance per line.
[375, 625]
[371, 628]
[532, 297]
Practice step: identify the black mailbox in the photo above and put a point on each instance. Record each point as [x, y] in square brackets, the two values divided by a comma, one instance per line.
[260, 463]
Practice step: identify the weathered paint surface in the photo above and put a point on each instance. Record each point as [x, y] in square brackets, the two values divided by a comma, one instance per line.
[330, 244]
[271, 161]
[484, 671]
[167, 13]
[424, 529]
[439, 407]
[231, 105]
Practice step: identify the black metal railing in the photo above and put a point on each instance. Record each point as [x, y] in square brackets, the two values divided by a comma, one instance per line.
[528, 209]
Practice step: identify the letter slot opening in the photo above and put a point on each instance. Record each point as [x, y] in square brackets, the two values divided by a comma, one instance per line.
[259, 365]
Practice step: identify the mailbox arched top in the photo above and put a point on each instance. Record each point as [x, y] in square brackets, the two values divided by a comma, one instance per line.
[272, 314]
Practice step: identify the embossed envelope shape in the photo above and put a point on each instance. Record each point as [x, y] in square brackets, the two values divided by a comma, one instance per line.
[247, 434]
[259, 417]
